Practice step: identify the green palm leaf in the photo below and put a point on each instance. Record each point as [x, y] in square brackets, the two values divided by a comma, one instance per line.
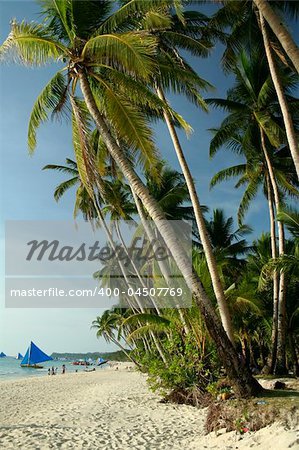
[290, 217]
[65, 186]
[32, 44]
[128, 121]
[84, 158]
[130, 10]
[226, 174]
[47, 101]
[131, 51]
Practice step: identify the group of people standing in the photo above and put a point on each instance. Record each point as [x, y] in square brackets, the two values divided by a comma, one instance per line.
[53, 371]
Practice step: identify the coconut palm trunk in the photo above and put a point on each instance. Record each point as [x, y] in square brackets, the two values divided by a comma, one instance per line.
[131, 259]
[124, 273]
[211, 261]
[243, 381]
[280, 31]
[280, 365]
[287, 118]
[161, 263]
[272, 360]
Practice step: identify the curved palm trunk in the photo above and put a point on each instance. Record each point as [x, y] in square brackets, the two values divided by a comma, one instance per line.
[119, 235]
[243, 381]
[211, 261]
[287, 118]
[280, 31]
[161, 263]
[154, 337]
[280, 366]
[272, 361]
[124, 273]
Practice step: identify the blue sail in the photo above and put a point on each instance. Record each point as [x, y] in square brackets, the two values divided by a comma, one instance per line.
[19, 356]
[2, 355]
[34, 356]
[101, 361]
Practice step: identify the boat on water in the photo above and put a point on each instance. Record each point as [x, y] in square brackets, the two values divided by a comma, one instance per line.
[19, 356]
[101, 361]
[2, 355]
[34, 356]
[81, 362]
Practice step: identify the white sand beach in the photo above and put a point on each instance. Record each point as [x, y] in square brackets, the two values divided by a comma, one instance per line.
[111, 409]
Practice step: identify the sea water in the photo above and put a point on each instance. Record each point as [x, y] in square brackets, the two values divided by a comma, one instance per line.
[10, 368]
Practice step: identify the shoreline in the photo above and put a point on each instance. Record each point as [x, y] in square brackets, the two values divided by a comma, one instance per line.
[111, 409]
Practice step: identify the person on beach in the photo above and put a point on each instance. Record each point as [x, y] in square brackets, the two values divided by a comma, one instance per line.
[49, 371]
[53, 371]
[63, 369]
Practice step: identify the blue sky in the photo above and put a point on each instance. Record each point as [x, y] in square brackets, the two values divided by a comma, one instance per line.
[27, 192]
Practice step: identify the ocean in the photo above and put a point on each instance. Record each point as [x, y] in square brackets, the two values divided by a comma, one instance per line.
[10, 368]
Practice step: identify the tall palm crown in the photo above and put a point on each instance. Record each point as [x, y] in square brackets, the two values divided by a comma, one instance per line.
[171, 193]
[252, 105]
[239, 24]
[88, 36]
[252, 102]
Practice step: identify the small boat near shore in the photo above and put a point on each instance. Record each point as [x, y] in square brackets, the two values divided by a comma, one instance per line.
[81, 362]
[34, 356]
[101, 361]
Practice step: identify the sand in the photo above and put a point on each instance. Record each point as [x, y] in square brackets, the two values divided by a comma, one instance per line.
[111, 409]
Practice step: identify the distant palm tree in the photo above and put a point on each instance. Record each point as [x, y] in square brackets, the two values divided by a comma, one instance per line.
[106, 326]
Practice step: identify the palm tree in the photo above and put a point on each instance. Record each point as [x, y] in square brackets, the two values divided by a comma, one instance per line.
[247, 29]
[253, 127]
[189, 33]
[290, 217]
[229, 245]
[287, 118]
[280, 31]
[106, 326]
[83, 201]
[82, 35]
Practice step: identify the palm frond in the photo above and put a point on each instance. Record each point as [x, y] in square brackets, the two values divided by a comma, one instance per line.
[31, 44]
[84, 158]
[290, 217]
[130, 51]
[47, 101]
[249, 194]
[226, 174]
[130, 10]
[128, 121]
[65, 186]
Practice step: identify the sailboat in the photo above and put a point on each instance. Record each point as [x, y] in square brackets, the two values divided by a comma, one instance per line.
[2, 355]
[101, 361]
[33, 356]
[19, 356]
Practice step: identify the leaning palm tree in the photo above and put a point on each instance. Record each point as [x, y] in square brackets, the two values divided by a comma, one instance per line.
[107, 325]
[75, 32]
